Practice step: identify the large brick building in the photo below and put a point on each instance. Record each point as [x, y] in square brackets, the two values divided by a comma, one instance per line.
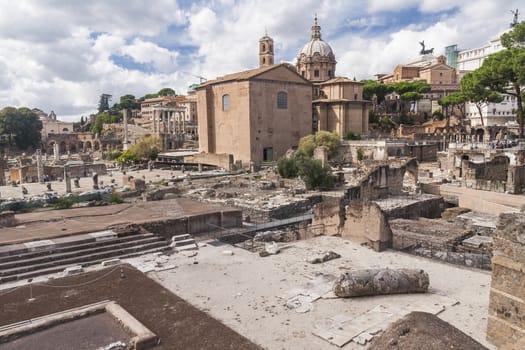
[255, 115]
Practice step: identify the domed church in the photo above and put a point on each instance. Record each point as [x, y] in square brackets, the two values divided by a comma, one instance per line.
[338, 104]
[316, 61]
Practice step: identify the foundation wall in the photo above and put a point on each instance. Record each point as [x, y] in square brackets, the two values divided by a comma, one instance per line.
[506, 323]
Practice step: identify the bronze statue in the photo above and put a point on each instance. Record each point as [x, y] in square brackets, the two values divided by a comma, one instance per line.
[423, 51]
[515, 20]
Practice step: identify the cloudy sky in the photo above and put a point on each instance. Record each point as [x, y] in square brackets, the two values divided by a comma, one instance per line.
[62, 54]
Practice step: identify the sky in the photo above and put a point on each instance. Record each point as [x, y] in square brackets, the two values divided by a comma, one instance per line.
[61, 55]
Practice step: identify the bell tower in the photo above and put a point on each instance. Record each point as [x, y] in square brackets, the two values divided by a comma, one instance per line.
[266, 51]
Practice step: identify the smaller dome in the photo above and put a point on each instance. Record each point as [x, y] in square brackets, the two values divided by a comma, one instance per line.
[316, 45]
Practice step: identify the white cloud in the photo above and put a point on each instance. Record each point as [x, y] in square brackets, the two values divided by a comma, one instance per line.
[57, 55]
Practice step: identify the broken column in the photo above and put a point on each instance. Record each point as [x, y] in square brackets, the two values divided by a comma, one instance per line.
[381, 281]
[95, 181]
[67, 179]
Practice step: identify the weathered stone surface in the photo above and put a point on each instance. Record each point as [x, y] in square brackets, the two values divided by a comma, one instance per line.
[450, 214]
[7, 219]
[326, 256]
[381, 281]
[506, 324]
[508, 309]
[508, 280]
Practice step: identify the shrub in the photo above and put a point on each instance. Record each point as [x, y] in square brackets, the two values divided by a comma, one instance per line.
[63, 203]
[360, 154]
[115, 198]
[113, 155]
[352, 136]
[322, 138]
[315, 176]
[287, 167]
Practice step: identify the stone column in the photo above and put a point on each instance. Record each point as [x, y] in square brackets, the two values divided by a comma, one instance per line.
[125, 145]
[56, 153]
[39, 166]
[67, 179]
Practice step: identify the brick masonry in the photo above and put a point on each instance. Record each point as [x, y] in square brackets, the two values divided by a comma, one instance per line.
[506, 323]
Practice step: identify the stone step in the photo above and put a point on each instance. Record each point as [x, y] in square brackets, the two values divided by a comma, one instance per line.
[71, 245]
[81, 251]
[180, 237]
[81, 259]
[183, 242]
[61, 268]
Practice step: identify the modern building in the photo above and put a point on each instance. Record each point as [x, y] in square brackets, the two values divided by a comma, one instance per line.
[494, 114]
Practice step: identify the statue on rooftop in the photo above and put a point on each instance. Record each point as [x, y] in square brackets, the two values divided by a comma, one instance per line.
[515, 20]
[423, 51]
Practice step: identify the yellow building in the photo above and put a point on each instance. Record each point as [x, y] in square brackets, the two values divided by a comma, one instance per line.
[339, 107]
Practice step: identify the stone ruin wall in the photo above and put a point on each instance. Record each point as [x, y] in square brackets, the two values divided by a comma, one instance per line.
[506, 322]
[29, 173]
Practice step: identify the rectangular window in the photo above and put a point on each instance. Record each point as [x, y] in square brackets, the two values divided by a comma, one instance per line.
[316, 73]
[282, 100]
[226, 102]
[268, 154]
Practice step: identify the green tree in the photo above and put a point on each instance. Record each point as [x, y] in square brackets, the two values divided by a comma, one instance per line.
[128, 102]
[22, 127]
[102, 119]
[410, 91]
[308, 143]
[514, 38]
[379, 90]
[147, 147]
[103, 103]
[456, 101]
[166, 92]
[474, 88]
[504, 73]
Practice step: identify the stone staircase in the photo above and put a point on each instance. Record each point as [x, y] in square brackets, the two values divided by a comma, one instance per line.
[183, 242]
[24, 261]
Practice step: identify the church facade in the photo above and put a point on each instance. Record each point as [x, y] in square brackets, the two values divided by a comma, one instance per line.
[337, 104]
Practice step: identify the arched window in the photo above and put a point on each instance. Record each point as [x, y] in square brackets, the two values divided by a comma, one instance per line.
[282, 100]
[65, 129]
[263, 48]
[264, 60]
[225, 102]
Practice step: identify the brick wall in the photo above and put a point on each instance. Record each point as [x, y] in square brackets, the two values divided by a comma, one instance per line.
[506, 323]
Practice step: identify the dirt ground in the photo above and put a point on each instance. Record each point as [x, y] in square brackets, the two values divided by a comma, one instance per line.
[420, 330]
[250, 294]
[178, 324]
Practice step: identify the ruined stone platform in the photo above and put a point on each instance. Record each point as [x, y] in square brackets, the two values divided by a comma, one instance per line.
[167, 217]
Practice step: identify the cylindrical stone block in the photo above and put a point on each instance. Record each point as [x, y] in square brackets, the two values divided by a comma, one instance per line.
[381, 281]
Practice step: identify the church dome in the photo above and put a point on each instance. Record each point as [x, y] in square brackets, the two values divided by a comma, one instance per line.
[316, 60]
[316, 44]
